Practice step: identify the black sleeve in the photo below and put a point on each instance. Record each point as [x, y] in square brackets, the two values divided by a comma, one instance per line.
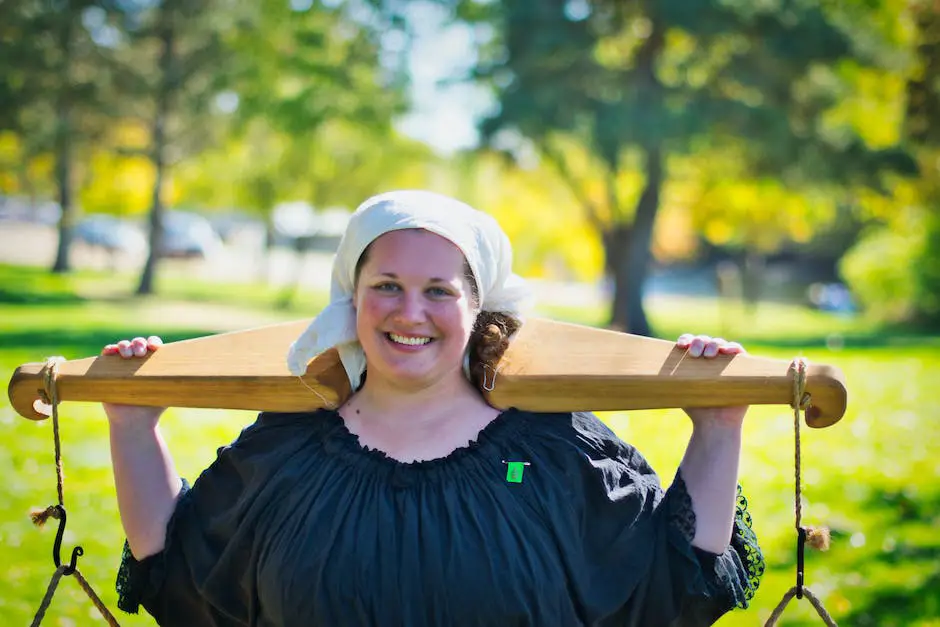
[636, 539]
[205, 573]
[704, 585]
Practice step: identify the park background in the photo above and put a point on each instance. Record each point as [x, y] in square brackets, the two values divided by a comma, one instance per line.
[765, 171]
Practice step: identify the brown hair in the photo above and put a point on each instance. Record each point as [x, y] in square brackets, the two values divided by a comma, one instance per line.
[488, 341]
[489, 338]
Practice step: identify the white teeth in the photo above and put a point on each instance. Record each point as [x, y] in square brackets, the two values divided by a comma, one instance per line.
[410, 341]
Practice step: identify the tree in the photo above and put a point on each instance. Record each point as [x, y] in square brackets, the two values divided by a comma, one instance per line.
[173, 65]
[894, 267]
[52, 88]
[922, 121]
[269, 78]
[636, 84]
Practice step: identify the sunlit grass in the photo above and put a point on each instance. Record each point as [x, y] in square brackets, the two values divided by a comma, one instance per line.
[872, 477]
[774, 324]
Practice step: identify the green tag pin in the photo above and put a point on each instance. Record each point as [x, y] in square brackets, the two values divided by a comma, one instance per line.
[514, 471]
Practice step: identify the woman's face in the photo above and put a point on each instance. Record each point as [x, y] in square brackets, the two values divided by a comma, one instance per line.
[414, 308]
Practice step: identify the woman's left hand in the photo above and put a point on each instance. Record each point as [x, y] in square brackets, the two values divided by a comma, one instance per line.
[703, 346]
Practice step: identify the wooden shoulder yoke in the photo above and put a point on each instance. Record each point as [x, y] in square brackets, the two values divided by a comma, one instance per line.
[549, 366]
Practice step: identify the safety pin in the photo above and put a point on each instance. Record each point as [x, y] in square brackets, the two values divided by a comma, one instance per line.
[492, 384]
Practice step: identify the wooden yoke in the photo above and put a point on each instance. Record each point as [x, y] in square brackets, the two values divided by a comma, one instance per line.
[555, 366]
[549, 366]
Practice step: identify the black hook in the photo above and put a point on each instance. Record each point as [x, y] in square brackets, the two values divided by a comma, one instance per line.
[800, 543]
[57, 546]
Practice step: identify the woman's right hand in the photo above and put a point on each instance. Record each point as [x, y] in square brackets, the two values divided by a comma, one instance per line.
[133, 415]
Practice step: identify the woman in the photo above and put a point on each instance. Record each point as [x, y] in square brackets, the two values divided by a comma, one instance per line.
[415, 502]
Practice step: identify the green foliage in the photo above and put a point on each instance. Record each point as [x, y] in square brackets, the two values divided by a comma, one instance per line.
[880, 269]
[314, 66]
[50, 65]
[895, 267]
[757, 76]
[738, 84]
[927, 272]
[316, 98]
[923, 117]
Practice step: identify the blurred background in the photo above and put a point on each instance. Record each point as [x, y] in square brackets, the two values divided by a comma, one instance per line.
[765, 171]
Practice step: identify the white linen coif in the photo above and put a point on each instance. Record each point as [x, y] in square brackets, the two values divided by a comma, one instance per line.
[480, 238]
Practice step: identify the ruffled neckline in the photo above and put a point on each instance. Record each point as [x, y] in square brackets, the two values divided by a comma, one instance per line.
[339, 440]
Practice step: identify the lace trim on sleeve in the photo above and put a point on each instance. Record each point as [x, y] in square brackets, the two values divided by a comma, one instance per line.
[134, 577]
[681, 514]
[127, 588]
[744, 541]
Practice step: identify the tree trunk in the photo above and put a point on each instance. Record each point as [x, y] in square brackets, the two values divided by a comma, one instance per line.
[630, 273]
[265, 261]
[63, 148]
[617, 241]
[157, 155]
[753, 278]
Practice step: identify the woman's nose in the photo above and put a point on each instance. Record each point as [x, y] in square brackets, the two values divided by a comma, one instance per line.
[411, 307]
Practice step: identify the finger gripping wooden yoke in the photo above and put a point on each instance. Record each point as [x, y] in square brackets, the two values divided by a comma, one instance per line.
[549, 366]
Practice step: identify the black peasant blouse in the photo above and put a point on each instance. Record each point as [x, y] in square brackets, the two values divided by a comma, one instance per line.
[547, 520]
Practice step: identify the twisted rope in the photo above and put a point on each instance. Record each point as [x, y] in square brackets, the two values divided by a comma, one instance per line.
[47, 599]
[778, 611]
[50, 397]
[50, 592]
[818, 538]
[801, 401]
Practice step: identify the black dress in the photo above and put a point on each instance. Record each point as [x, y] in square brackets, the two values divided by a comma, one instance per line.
[547, 520]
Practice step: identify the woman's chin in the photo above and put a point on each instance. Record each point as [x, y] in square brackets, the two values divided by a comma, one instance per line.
[412, 367]
[412, 378]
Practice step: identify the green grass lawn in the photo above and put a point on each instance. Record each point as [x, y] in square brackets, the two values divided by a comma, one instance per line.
[872, 477]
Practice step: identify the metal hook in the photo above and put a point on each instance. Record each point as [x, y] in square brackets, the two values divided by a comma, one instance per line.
[57, 545]
[492, 384]
[800, 543]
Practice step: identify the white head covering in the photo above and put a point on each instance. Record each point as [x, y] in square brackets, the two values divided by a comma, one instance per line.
[480, 238]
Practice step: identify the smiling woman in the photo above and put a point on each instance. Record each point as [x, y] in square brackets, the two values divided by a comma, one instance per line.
[415, 502]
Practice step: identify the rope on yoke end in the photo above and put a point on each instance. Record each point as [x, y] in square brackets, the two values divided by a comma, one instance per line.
[818, 538]
[50, 373]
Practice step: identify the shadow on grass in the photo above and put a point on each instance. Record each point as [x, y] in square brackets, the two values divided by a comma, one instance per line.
[899, 583]
[14, 297]
[74, 344]
[901, 605]
[883, 338]
[890, 602]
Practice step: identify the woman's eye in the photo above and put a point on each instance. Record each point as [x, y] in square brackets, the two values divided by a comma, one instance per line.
[385, 287]
[438, 291]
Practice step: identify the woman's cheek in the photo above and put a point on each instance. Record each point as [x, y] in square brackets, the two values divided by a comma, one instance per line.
[372, 307]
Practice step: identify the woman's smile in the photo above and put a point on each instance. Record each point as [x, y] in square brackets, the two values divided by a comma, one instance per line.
[408, 340]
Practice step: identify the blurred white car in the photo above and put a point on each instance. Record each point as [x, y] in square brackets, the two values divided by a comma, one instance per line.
[300, 226]
[111, 234]
[186, 235]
